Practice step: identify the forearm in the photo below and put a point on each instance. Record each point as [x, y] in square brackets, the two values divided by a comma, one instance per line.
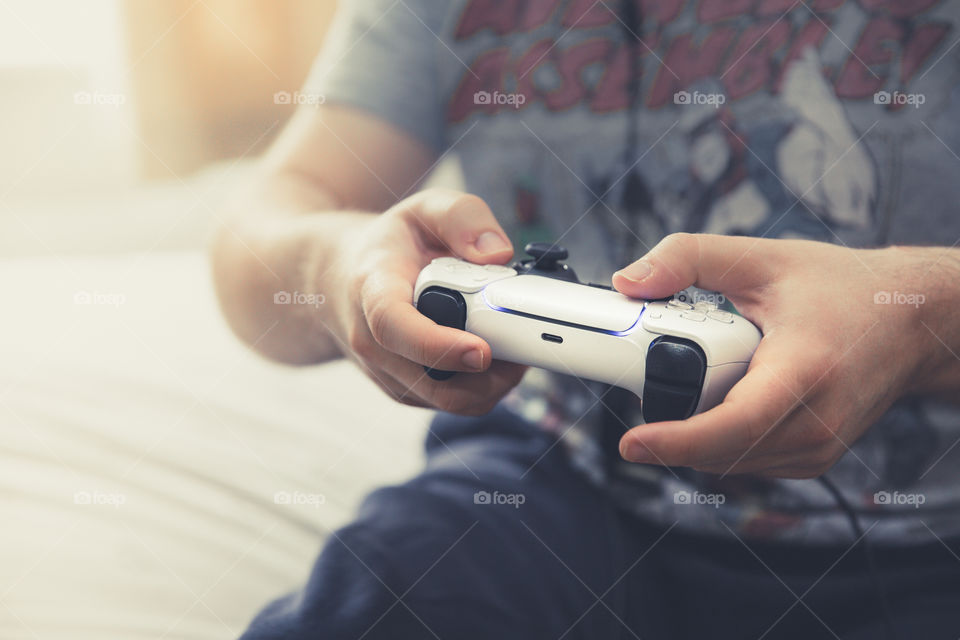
[282, 239]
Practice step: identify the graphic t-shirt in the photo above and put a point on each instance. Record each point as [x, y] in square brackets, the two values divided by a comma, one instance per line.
[578, 124]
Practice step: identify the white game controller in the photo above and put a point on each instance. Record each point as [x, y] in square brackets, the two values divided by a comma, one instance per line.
[679, 358]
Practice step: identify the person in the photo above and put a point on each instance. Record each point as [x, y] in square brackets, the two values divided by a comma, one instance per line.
[796, 160]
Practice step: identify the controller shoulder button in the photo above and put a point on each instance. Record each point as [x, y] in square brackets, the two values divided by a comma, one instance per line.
[693, 316]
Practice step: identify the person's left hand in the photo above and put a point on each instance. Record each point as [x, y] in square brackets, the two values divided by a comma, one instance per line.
[835, 354]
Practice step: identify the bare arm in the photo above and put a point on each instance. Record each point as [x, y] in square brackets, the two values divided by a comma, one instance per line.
[311, 224]
[328, 171]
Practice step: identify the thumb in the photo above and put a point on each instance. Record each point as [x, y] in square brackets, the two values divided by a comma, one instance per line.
[463, 225]
[728, 264]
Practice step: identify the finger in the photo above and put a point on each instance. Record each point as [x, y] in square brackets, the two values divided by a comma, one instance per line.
[738, 428]
[461, 224]
[721, 263]
[399, 328]
[471, 394]
[393, 388]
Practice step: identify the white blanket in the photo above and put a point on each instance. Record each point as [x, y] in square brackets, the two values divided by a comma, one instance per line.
[156, 478]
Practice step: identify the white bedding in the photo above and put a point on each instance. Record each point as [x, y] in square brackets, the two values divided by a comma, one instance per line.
[142, 451]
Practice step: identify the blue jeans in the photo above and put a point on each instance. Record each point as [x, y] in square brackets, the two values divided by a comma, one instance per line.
[500, 538]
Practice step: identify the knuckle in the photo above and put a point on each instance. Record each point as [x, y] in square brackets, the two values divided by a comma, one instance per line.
[450, 402]
[407, 399]
[821, 436]
[824, 457]
[462, 207]
[808, 473]
[481, 408]
[466, 204]
[678, 241]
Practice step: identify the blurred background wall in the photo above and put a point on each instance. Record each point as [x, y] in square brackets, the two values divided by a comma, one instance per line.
[205, 84]
[124, 122]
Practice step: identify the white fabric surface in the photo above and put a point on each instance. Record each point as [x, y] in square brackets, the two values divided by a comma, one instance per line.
[154, 405]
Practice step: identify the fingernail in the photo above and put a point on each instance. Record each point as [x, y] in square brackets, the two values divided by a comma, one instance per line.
[490, 242]
[636, 271]
[635, 452]
[473, 359]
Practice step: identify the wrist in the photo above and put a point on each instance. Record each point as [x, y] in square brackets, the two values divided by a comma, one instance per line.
[931, 294]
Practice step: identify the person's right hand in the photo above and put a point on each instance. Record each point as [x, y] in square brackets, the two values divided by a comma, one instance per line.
[376, 323]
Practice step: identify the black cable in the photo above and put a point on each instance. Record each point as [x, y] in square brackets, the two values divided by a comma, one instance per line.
[879, 590]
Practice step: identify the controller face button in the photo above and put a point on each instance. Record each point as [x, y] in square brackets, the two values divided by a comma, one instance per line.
[721, 316]
[694, 316]
[677, 304]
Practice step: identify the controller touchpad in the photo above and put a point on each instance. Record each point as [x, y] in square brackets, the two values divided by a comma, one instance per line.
[564, 302]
